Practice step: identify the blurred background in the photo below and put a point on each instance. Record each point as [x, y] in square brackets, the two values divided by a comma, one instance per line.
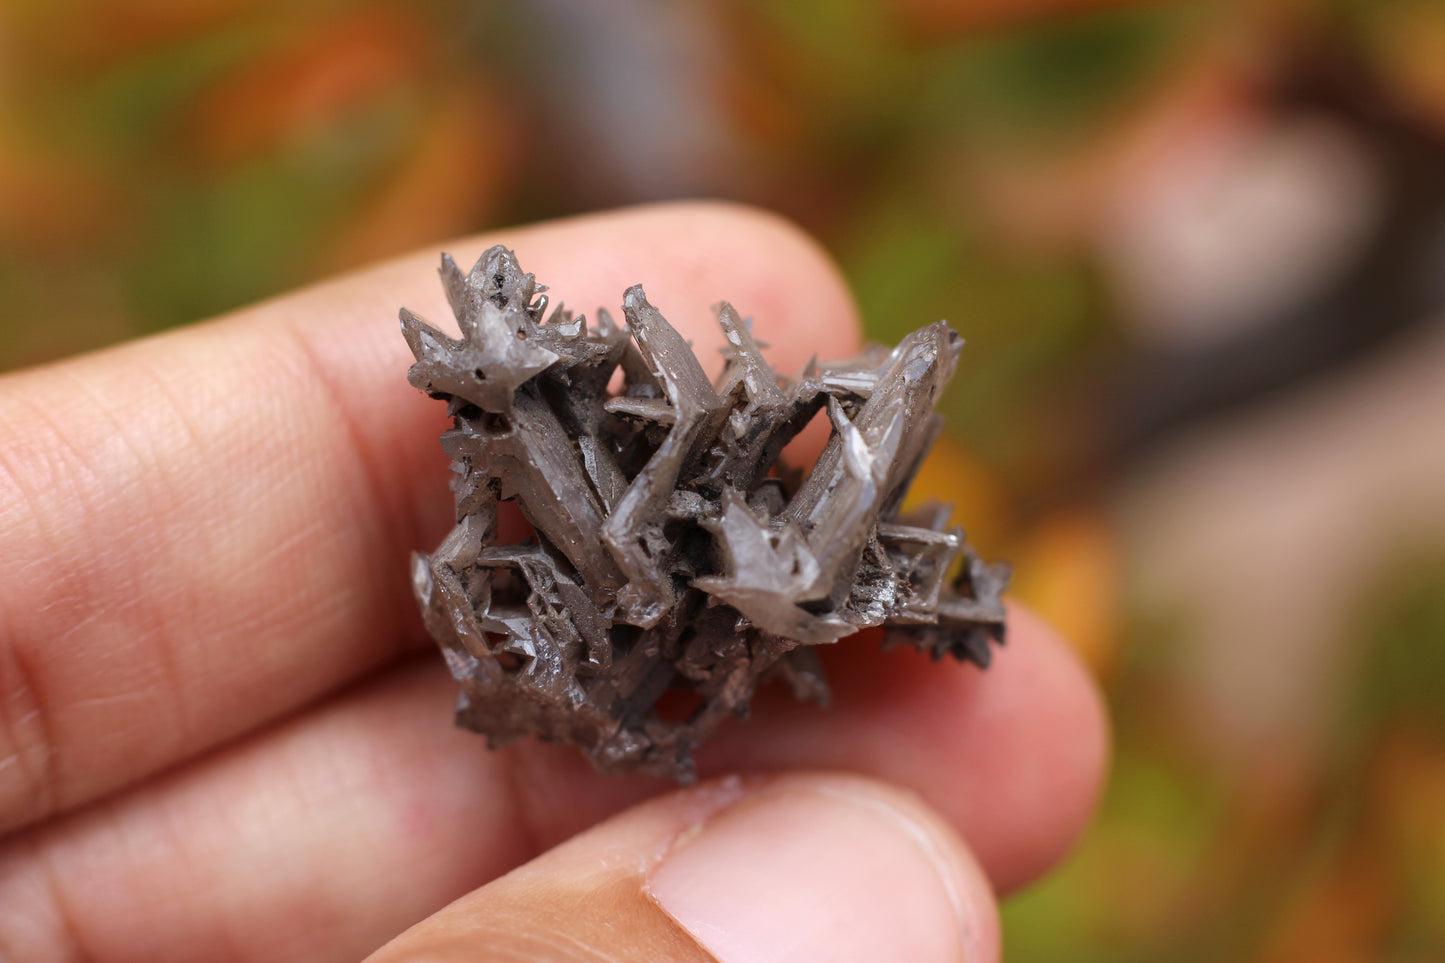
[1197, 249]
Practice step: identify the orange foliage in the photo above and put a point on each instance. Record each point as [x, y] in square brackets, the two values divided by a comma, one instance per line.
[334, 67]
[100, 33]
[938, 19]
[1067, 567]
[451, 180]
[47, 203]
[952, 475]
[1341, 921]
[1068, 570]
[1407, 45]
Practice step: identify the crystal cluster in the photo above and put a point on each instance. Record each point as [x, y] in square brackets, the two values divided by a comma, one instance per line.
[676, 563]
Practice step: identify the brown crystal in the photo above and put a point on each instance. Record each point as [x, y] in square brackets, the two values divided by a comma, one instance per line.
[672, 550]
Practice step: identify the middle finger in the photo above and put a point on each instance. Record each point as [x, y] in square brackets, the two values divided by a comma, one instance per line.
[331, 833]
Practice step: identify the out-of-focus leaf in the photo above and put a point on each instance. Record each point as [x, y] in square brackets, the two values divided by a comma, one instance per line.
[1068, 570]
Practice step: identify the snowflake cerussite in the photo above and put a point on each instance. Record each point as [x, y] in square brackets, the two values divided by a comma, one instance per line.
[673, 553]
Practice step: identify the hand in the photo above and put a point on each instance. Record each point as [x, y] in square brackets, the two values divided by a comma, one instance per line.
[224, 736]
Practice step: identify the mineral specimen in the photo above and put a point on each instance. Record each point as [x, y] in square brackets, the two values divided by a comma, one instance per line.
[673, 553]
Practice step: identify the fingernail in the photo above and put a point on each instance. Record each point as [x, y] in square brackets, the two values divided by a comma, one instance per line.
[820, 874]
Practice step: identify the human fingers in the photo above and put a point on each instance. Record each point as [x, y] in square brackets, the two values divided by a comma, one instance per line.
[202, 531]
[798, 867]
[329, 834]
[1015, 756]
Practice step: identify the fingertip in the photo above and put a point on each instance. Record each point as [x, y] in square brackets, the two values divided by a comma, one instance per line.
[757, 869]
[1013, 756]
[689, 256]
[1027, 739]
[1061, 753]
[828, 866]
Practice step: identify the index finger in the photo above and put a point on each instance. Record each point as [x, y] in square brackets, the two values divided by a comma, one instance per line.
[203, 531]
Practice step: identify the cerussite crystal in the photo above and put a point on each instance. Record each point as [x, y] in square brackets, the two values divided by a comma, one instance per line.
[672, 548]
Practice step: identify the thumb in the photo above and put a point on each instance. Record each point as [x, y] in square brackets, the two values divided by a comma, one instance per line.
[799, 867]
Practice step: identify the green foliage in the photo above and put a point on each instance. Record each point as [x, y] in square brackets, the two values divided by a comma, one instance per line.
[1054, 81]
[217, 241]
[1403, 676]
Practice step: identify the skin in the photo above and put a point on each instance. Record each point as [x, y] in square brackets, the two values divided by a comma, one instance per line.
[223, 733]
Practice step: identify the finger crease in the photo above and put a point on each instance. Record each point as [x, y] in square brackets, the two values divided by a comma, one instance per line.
[70, 943]
[377, 505]
[29, 731]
